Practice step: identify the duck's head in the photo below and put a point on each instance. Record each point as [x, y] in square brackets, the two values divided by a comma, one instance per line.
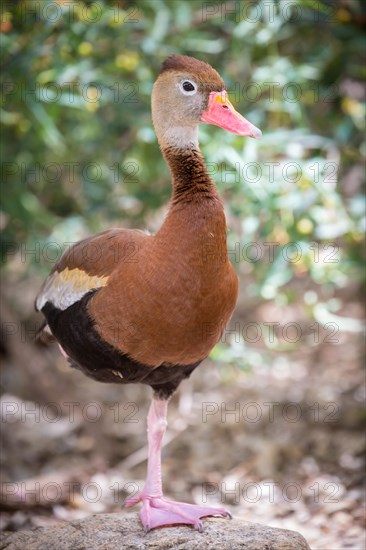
[187, 92]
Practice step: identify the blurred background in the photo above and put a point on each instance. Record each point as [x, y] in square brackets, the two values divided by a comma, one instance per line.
[79, 155]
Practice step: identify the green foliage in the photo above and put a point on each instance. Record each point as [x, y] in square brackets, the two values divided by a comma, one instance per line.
[79, 153]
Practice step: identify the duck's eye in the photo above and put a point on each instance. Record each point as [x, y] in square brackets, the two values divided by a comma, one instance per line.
[188, 87]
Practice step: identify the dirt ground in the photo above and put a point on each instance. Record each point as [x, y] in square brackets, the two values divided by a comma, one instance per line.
[278, 441]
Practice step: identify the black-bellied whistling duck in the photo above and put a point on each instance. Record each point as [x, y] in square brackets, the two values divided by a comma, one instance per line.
[128, 307]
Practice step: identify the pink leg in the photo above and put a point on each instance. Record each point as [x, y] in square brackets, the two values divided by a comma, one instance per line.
[157, 510]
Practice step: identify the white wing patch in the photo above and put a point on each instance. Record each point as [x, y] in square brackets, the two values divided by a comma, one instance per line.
[67, 287]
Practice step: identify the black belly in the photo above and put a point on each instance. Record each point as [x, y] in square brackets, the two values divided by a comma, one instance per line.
[87, 351]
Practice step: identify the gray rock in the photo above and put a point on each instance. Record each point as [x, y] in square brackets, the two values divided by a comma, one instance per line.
[124, 532]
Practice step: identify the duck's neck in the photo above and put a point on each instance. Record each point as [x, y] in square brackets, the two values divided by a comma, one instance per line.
[196, 219]
[190, 180]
